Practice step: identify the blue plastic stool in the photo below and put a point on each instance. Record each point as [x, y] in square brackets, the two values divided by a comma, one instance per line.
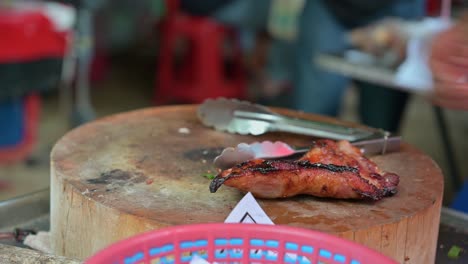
[11, 122]
[461, 201]
[19, 120]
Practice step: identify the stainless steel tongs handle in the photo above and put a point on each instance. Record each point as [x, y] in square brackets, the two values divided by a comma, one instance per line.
[307, 127]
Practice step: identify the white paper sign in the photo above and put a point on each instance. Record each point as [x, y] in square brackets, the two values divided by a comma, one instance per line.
[199, 260]
[248, 211]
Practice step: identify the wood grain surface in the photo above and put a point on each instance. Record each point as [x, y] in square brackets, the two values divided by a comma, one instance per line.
[134, 172]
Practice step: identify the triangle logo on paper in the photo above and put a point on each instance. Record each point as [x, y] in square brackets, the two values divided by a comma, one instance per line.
[247, 218]
[248, 211]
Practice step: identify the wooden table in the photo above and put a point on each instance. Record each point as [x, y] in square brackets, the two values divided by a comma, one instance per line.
[136, 171]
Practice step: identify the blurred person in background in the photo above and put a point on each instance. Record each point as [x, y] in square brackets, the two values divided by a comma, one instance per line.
[299, 31]
[322, 28]
[449, 64]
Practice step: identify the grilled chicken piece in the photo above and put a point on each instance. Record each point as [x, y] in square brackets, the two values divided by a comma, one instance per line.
[329, 169]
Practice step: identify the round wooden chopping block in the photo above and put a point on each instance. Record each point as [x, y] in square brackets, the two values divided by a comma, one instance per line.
[143, 170]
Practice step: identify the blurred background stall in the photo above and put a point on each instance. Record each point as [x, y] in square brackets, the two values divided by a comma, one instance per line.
[106, 57]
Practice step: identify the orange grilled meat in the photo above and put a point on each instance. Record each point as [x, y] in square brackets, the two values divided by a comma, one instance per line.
[329, 169]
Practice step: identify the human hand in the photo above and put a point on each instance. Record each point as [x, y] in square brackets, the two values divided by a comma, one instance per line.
[449, 64]
[381, 39]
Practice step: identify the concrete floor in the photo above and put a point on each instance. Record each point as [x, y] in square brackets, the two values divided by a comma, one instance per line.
[129, 86]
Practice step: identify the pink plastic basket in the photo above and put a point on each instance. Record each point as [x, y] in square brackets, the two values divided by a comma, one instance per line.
[237, 243]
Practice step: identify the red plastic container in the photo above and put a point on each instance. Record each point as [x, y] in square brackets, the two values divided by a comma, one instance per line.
[29, 35]
[237, 243]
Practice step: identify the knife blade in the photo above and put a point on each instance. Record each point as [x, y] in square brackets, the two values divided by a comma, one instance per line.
[279, 150]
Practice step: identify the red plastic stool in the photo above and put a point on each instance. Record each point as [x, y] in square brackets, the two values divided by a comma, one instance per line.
[202, 72]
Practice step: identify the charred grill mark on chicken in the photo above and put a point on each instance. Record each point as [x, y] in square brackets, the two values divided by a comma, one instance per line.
[329, 169]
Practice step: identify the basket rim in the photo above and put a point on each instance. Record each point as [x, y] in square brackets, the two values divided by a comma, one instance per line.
[326, 240]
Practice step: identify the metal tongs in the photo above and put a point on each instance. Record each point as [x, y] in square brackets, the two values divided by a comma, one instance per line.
[244, 118]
